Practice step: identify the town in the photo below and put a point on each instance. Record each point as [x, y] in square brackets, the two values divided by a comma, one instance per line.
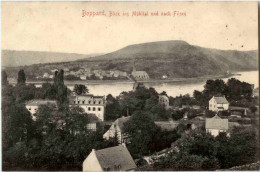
[55, 128]
[130, 86]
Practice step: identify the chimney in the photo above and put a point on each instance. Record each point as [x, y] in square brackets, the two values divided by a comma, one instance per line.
[93, 150]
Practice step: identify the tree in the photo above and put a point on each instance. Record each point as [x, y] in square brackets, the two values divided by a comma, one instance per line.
[76, 121]
[237, 90]
[112, 111]
[80, 89]
[19, 126]
[21, 77]
[48, 91]
[4, 78]
[164, 93]
[141, 130]
[177, 114]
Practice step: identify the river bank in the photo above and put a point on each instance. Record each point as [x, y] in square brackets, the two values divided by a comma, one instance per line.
[97, 82]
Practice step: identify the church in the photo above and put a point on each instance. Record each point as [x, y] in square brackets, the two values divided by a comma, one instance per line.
[139, 75]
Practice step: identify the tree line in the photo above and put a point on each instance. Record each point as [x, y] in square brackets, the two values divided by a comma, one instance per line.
[57, 140]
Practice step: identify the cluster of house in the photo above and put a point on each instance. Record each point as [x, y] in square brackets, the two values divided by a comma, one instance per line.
[118, 158]
[86, 73]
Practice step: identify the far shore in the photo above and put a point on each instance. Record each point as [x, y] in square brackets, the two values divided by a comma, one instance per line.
[98, 82]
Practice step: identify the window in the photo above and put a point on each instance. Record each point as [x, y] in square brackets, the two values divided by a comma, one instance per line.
[94, 102]
[29, 108]
[89, 102]
[74, 102]
[99, 102]
[83, 102]
[99, 109]
[78, 102]
[89, 108]
[94, 109]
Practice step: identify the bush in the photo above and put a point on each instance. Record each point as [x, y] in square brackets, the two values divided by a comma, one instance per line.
[224, 113]
[209, 113]
[176, 115]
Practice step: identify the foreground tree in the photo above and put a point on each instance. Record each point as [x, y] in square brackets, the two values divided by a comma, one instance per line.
[21, 77]
[141, 130]
[4, 78]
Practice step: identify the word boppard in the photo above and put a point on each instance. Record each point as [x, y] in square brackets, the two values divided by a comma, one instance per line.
[92, 13]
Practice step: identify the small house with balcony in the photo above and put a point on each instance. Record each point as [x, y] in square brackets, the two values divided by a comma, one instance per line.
[218, 104]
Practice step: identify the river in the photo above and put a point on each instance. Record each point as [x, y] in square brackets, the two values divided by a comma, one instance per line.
[171, 88]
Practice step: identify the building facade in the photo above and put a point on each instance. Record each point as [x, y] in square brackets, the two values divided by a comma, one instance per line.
[33, 105]
[90, 103]
[115, 158]
[218, 104]
[216, 125]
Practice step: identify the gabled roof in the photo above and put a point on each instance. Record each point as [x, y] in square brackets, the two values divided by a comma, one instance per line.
[37, 102]
[217, 123]
[120, 122]
[92, 118]
[139, 73]
[221, 100]
[115, 158]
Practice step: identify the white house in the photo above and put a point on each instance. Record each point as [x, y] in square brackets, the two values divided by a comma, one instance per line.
[218, 104]
[165, 77]
[117, 128]
[115, 158]
[33, 105]
[83, 77]
[164, 100]
[46, 75]
[216, 125]
[90, 103]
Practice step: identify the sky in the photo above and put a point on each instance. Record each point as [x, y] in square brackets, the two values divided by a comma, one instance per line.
[60, 27]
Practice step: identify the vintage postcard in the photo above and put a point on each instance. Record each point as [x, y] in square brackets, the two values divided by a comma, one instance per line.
[129, 86]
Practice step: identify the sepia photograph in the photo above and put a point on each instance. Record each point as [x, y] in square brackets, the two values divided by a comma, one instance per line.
[129, 86]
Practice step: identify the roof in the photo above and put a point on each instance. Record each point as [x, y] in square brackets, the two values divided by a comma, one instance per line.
[36, 102]
[217, 123]
[139, 73]
[120, 122]
[221, 100]
[111, 158]
[167, 125]
[163, 96]
[93, 118]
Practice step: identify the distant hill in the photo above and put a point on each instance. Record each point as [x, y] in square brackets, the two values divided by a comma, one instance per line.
[177, 59]
[12, 58]
[180, 59]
